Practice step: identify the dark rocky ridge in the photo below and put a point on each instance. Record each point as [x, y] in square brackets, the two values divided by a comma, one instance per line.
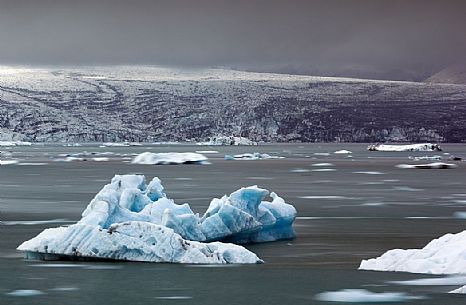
[155, 104]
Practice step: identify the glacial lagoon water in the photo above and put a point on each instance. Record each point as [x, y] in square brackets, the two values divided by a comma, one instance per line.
[350, 207]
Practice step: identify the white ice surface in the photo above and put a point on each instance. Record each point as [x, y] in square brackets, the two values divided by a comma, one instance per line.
[445, 255]
[169, 158]
[409, 147]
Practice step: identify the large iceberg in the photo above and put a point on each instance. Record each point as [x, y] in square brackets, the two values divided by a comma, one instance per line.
[445, 255]
[409, 147]
[169, 158]
[131, 220]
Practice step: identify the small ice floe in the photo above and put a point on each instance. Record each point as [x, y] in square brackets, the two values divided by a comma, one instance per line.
[32, 163]
[150, 158]
[444, 255]
[364, 296]
[64, 289]
[252, 156]
[435, 165]
[438, 281]
[410, 147]
[343, 152]
[8, 162]
[25, 293]
[321, 154]
[459, 290]
[122, 144]
[78, 159]
[427, 158]
[324, 170]
[207, 151]
[369, 173]
[323, 164]
[373, 204]
[299, 170]
[135, 221]
[14, 143]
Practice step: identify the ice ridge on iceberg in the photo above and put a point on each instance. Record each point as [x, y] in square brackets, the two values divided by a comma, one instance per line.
[131, 220]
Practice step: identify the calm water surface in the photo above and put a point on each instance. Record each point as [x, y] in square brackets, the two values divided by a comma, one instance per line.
[354, 208]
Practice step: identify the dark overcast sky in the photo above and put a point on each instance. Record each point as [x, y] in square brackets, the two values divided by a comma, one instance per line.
[386, 38]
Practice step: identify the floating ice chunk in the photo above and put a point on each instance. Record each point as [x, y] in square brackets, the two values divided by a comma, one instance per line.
[368, 173]
[129, 205]
[15, 143]
[132, 241]
[251, 156]
[429, 158]
[343, 152]
[323, 164]
[410, 147]
[25, 293]
[364, 296]
[459, 290]
[8, 162]
[445, 255]
[169, 158]
[435, 165]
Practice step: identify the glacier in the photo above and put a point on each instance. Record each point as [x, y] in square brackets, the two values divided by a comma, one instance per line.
[445, 255]
[132, 220]
[169, 158]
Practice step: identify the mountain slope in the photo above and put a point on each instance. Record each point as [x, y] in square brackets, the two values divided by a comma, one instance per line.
[157, 104]
[454, 74]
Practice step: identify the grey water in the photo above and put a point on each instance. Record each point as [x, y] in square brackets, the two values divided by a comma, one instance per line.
[354, 207]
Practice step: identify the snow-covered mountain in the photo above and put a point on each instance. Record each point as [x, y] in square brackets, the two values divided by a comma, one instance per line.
[136, 103]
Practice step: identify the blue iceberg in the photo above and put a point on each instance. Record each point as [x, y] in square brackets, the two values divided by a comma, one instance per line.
[132, 220]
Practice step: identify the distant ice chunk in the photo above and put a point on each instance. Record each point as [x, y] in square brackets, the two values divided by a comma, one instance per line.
[445, 255]
[131, 220]
[460, 290]
[364, 296]
[169, 158]
[435, 165]
[427, 158]
[15, 143]
[409, 147]
[342, 152]
[25, 293]
[8, 162]
[252, 156]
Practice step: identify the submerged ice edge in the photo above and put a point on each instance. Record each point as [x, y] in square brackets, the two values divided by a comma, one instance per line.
[131, 220]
